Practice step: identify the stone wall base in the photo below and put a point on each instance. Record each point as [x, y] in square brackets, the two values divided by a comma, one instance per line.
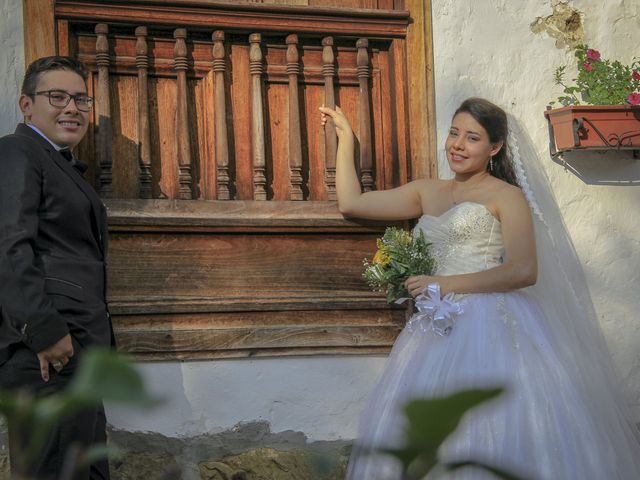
[247, 452]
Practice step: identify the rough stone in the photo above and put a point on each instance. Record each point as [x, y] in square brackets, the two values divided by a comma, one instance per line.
[4, 450]
[145, 466]
[565, 25]
[4, 467]
[271, 464]
[248, 451]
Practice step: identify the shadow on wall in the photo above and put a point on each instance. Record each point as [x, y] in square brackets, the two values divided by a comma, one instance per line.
[616, 168]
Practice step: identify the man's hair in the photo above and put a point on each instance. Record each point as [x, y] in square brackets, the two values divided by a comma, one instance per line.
[47, 64]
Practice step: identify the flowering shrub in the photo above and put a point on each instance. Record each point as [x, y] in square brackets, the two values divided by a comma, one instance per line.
[600, 82]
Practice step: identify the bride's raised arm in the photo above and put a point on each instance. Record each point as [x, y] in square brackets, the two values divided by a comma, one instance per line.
[395, 204]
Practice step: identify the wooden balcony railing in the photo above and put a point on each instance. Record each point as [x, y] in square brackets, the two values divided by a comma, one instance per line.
[220, 114]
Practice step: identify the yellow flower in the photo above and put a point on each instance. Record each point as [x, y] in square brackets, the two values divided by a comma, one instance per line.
[381, 258]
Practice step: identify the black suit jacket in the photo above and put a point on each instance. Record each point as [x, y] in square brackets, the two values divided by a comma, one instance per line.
[53, 243]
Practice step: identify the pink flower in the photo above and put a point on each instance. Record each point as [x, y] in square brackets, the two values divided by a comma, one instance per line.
[635, 75]
[593, 54]
[634, 98]
[587, 66]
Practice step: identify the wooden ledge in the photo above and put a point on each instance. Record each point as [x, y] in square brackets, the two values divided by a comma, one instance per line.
[145, 304]
[239, 334]
[233, 216]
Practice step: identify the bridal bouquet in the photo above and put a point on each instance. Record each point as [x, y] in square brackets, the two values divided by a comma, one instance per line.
[399, 256]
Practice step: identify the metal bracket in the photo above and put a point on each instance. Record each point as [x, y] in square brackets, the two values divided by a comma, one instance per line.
[552, 141]
[578, 125]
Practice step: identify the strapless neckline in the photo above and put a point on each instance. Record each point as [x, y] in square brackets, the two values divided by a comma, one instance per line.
[456, 206]
[466, 238]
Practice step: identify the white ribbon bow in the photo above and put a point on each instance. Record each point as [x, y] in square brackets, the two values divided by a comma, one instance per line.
[434, 313]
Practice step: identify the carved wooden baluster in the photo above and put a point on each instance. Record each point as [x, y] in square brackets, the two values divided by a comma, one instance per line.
[105, 186]
[330, 139]
[222, 147]
[257, 122]
[295, 142]
[182, 119]
[144, 141]
[363, 73]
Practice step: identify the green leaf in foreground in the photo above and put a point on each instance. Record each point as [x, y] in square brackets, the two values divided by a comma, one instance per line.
[102, 374]
[497, 472]
[106, 375]
[430, 422]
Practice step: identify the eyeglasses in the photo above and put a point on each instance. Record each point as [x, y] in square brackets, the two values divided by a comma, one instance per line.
[60, 99]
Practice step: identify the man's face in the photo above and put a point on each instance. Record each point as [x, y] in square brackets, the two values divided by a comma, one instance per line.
[64, 126]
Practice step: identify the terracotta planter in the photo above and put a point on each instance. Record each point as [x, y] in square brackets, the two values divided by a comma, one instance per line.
[594, 127]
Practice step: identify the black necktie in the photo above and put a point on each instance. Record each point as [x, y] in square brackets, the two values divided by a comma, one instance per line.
[75, 163]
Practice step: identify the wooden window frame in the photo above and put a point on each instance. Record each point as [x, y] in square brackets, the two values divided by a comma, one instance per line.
[204, 333]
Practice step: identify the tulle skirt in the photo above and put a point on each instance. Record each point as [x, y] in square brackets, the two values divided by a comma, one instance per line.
[548, 425]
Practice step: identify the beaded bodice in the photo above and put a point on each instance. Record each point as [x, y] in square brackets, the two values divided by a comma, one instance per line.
[465, 239]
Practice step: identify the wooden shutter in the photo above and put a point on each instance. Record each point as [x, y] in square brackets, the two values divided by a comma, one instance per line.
[206, 146]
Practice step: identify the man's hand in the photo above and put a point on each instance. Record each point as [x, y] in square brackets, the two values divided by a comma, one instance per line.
[57, 355]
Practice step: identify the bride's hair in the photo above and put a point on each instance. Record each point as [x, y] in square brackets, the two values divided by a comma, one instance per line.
[494, 120]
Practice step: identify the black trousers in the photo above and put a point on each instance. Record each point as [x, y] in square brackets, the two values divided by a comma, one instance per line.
[83, 429]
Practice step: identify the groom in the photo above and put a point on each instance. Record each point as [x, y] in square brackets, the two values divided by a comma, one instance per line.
[53, 242]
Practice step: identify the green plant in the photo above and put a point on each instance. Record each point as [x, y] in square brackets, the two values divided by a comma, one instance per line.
[102, 375]
[599, 81]
[430, 422]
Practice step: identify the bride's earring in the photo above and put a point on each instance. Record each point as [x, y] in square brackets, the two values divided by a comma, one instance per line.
[491, 164]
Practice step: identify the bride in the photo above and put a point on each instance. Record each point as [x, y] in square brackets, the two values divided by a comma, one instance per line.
[560, 417]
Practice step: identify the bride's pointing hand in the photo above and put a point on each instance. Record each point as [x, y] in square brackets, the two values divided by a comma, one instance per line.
[340, 121]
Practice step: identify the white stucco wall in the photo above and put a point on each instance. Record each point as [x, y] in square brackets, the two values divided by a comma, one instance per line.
[482, 48]
[322, 396]
[11, 63]
[486, 48]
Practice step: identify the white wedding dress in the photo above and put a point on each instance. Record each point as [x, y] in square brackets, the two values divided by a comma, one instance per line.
[554, 422]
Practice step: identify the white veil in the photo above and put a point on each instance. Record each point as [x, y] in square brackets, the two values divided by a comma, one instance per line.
[563, 295]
